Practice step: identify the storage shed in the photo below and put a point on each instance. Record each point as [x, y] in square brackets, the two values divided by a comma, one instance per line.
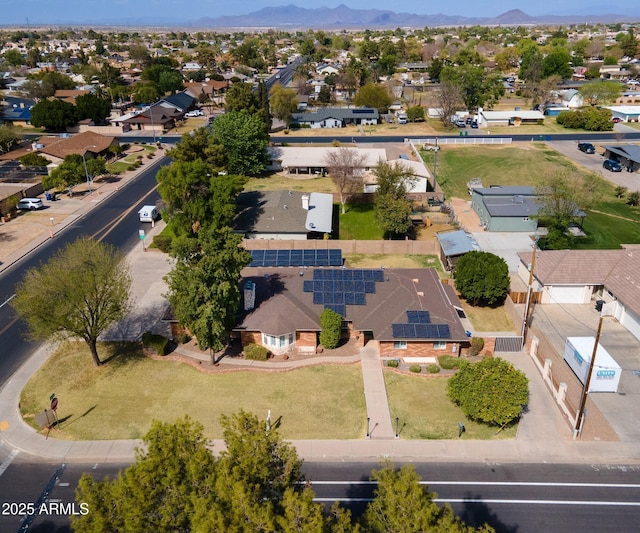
[606, 372]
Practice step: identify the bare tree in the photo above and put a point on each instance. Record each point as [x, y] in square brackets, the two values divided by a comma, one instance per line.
[449, 100]
[344, 165]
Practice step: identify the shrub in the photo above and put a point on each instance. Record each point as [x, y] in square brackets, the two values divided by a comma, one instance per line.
[416, 369]
[34, 159]
[331, 324]
[477, 343]
[184, 338]
[448, 362]
[482, 278]
[491, 391]
[256, 352]
[162, 242]
[158, 343]
[392, 363]
[433, 368]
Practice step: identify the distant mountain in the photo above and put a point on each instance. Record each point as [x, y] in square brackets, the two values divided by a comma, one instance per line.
[345, 17]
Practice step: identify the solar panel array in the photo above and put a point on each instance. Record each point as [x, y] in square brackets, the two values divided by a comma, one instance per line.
[419, 326]
[420, 331]
[295, 258]
[418, 317]
[337, 288]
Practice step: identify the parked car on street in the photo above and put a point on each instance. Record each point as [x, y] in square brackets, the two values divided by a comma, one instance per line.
[612, 166]
[587, 148]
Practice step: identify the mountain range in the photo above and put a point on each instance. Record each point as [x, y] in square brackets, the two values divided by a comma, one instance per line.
[292, 16]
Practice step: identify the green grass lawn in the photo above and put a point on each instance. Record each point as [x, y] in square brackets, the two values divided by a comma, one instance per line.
[425, 411]
[359, 223]
[488, 318]
[120, 399]
[609, 222]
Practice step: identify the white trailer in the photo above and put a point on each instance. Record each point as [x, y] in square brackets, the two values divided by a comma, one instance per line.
[606, 372]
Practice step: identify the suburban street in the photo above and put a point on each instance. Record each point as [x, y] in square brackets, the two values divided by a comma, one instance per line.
[114, 220]
[519, 498]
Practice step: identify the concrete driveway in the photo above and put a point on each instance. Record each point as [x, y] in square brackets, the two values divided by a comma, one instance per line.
[621, 409]
[505, 244]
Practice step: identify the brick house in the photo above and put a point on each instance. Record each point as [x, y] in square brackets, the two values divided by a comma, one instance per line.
[409, 311]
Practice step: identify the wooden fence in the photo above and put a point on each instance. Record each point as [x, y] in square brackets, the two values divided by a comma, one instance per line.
[406, 247]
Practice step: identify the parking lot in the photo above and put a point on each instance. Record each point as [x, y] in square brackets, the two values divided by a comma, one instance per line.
[594, 162]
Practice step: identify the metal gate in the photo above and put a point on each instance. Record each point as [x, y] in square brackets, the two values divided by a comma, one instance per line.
[508, 344]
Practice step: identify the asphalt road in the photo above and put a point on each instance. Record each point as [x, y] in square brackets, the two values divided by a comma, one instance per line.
[114, 220]
[511, 498]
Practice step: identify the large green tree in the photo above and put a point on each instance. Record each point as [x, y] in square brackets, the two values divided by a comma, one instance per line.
[160, 492]
[199, 144]
[600, 92]
[477, 88]
[8, 138]
[491, 391]
[557, 62]
[241, 96]
[93, 107]
[373, 95]
[283, 102]
[54, 115]
[203, 287]
[245, 142]
[482, 278]
[74, 170]
[392, 207]
[196, 196]
[81, 291]
[402, 504]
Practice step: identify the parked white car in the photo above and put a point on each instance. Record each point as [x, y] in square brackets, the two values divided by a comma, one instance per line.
[30, 204]
[194, 113]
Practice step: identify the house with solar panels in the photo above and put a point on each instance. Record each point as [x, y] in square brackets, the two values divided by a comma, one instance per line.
[284, 215]
[409, 312]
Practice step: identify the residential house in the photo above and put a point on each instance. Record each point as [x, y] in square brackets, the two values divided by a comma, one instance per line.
[69, 95]
[88, 144]
[284, 215]
[159, 117]
[572, 99]
[584, 276]
[410, 312]
[336, 117]
[16, 111]
[505, 208]
[517, 117]
[323, 69]
[313, 159]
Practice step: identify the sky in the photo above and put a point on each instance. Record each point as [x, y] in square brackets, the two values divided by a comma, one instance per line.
[84, 11]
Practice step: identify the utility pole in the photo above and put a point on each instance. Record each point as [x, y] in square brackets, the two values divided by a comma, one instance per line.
[525, 318]
[585, 391]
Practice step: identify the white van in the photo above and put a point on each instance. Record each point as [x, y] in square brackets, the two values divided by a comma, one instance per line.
[30, 204]
[148, 213]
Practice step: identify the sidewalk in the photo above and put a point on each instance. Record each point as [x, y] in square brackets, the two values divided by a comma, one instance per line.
[30, 230]
[543, 434]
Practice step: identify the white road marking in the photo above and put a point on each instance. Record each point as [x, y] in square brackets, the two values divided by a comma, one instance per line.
[7, 300]
[8, 461]
[480, 500]
[493, 483]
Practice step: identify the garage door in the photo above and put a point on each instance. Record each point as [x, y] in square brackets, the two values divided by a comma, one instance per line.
[567, 295]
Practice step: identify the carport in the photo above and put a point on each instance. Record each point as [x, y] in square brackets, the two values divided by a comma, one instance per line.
[628, 155]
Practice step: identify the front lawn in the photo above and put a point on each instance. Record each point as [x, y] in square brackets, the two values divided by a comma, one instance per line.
[425, 412]
[487, 318]
[359, 223]
[120, 399]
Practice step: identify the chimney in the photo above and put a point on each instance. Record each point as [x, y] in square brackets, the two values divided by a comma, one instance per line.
[305, 202]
